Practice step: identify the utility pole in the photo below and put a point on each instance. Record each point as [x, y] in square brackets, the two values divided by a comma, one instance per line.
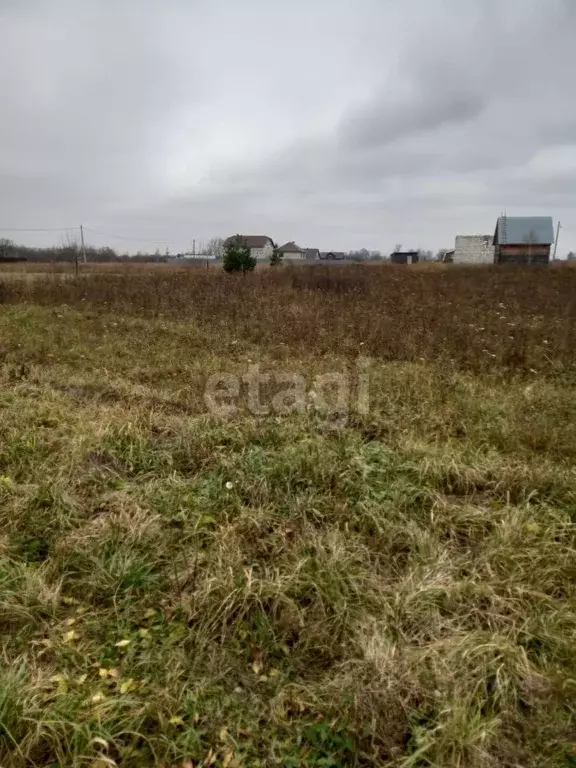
[558, 227]
[82, 243]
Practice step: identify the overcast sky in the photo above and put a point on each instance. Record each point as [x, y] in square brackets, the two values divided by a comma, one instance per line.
[335, 123]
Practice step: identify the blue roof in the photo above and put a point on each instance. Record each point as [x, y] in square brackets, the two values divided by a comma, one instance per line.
[524, 229]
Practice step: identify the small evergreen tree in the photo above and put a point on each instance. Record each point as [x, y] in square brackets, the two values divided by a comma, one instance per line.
[236, 256]
[276, 257]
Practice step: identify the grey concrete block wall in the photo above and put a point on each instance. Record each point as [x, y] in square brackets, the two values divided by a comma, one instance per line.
[474, 249]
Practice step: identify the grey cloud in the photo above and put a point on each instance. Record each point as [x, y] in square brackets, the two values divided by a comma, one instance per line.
[386, 122]
[84, 99]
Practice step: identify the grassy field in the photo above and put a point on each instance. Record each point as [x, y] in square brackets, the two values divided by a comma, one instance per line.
[393, 585]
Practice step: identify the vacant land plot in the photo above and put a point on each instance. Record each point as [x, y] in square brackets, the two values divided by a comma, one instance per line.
[335, 582]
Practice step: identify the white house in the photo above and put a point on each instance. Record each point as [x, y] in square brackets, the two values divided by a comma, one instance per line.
[261, 246]
[292, 252]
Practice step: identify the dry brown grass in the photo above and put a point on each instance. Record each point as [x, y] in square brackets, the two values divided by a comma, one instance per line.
[481, 318]
[398, 589]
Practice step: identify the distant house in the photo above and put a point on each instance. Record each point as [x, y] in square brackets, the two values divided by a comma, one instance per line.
[11, 259]
[261, 246]
[473, 249]
[312, 254]
[404, 257]
[292, 252]
[332, 255]
[523, 239]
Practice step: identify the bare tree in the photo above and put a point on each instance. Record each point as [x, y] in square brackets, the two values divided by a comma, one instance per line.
[70, 248]
[6, 248]
[531, 239]
[214, 247]
[360, 255]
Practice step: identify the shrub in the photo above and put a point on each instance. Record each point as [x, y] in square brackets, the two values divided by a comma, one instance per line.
[276, 257]
[237, 256]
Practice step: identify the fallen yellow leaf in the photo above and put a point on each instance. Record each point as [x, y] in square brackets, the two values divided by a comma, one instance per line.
[82, 679]
[143, 632]
[103, 672]
[122, 643]
[70, 621]
[176, 720]
[127, 685]
[114, 672]
[97, 698]
[69, 601]
[227, 759]
[70, 636]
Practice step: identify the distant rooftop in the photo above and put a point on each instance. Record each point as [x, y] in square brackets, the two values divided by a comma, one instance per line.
[290, 247]
[251, 241]
[516, 230]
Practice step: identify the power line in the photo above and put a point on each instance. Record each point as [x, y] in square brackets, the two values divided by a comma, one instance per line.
[36, 229]
[130, 239]
[88, 229]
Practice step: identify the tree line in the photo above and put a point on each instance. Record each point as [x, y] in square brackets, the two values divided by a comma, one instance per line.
[235, 253]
